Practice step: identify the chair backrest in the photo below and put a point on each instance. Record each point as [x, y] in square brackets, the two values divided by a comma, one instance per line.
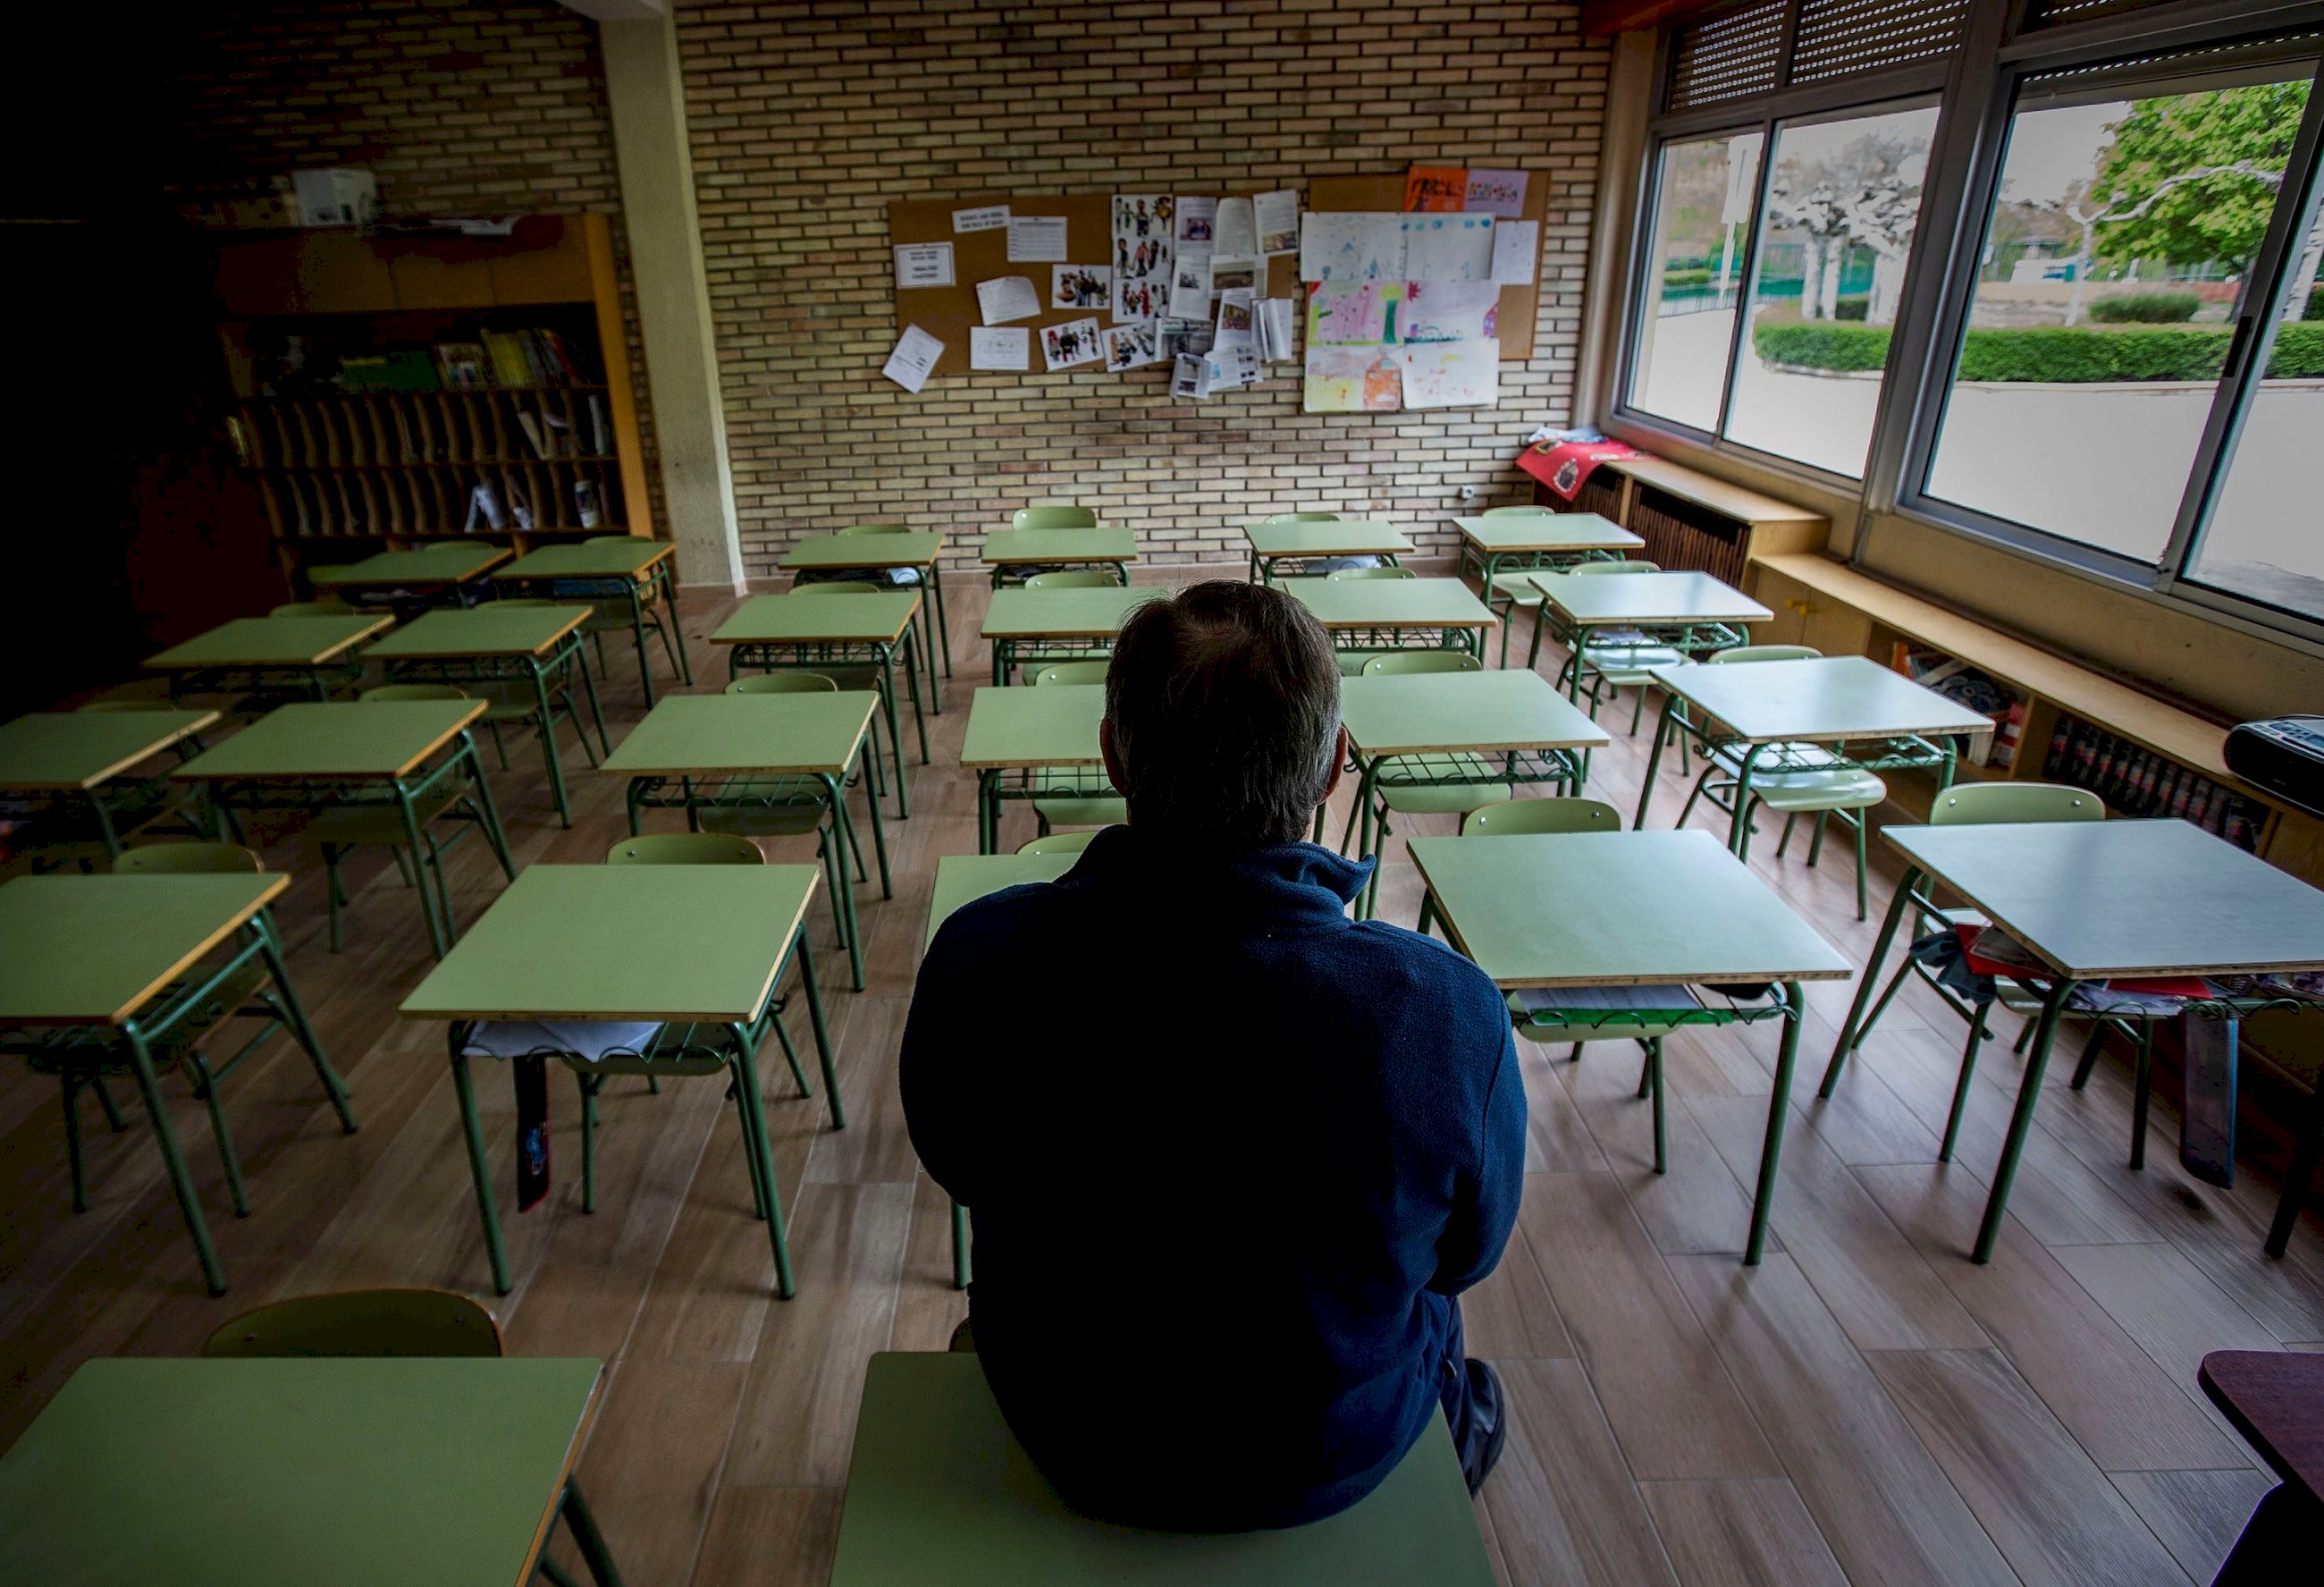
[877, 529]
[1422, 661]
[320, 606]
[1053, 515]
[1073, 578]
[1977, 804]
[841, 586]
[1072, 672]
[1301, 518]
[1521, 817]
[1765, 653]
[1372, 573]
[536, 600]
[1597, 568]
[1529, 511]
[611, 540]
[413, 691]
[185, 859]
[363, 1322]
[686, 848]
[133, 703]
[1059, 842]
[783, 683]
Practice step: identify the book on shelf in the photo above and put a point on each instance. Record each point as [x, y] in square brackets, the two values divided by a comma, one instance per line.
[462, 366]
[532, 436]
[484, 506]
[407, 369]
[562, 441]
[601, 431]
[511, 357]
[584, 503]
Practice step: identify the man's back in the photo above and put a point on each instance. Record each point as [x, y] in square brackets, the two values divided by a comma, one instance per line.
[1229, 1155]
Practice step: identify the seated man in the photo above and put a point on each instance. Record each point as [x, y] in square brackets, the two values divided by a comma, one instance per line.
[1230, 1156]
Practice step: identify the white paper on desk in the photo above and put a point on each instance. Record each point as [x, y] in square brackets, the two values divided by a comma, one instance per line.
[1277, 214]
[1234, 228]
[923, 264]
[1495, 192]
[1007, 297]
[1353, 245]
[1448, 248]
[1037, 239]
[1190, 287]
[591, 1040]
[914, 359]
[1451, 374]
[1000, 346]
[989, 217]
[1516, 244]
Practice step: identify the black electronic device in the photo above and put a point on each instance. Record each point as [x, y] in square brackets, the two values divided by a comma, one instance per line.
[2285, 755]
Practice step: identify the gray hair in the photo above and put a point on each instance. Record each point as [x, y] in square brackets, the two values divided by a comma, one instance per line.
[1225, 703]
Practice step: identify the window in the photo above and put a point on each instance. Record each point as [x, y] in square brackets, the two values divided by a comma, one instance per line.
[1702, 224]
[2115, 261]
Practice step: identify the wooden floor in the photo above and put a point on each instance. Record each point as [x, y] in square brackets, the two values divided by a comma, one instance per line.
[1865, 1407]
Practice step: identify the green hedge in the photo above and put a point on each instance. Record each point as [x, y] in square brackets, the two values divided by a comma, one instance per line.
[1686, 278]
[2146, 309]
[2061, 353]
[2315, 309]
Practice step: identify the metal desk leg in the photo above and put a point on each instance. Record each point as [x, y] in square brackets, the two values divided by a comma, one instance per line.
[493, 833]
[438, 930]
[1739, 829]
[1654, 762]
[548, 743]
[1868, 978]
[674, 639]
[895, 734]
[480, 1167]
[988, 812]
[2021, 1122]
[822, 1034]
[944, 618]
[755, 1142]
[181, 1180]
[295, 1012]
[1771, 1149]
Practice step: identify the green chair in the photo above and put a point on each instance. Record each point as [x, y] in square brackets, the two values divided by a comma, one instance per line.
[320, 606]
[686, 848]
[1081, 797]
[506, 701]
[1431, 784]
[1505, 593]
[1794, 779]
[1058, 843]
[877, 529]
[783, 683]
[612, 614]
[1053, 515]
[401, 1322]
[841, 587]
[1301, 518]
[609, 539]
[1353, 660]
[1978, 804]
[1371, 572]
[1607, 666]
[1300, 570]
[1524, 818]
[1073, 578]
[130, 703]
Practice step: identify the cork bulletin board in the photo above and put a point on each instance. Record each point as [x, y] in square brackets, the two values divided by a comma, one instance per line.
[1520, 306]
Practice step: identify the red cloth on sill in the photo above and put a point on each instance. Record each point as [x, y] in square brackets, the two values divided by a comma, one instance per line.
[1563, 466]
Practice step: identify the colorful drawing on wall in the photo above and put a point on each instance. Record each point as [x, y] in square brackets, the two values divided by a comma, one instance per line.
[1144, 225]
[1495, 192]
[1442, 188]
[1450, 311]
[1351, 380]
[1355, 314]
[1337, 245]
[1448, 248]
[1075, 342]
[1451, 374]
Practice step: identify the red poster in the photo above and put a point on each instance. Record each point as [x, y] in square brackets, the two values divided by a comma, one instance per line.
[1442, 188]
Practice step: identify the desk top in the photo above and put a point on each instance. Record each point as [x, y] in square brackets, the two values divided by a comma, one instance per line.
[912, 549]
[1346, 537]
[358, 1472]
[1100, 544]
[1684, 597]
[317, 739]
[939, 1494]
[1069, 614]
[1390, 602]
[795, 619]
[2103, 899]
[93, 950]
[624, 942]
[272, 642]
[697, 735]
[1617, 909]
[2275, 1399]
[1824, 700]
[963, 878]
[608, 558]
[1049, 724]
[81, 749]
[1499, 532]
[491, 629]
[1504, 709]
[439, 563]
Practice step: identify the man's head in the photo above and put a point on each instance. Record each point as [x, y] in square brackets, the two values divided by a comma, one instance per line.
[1222, 716]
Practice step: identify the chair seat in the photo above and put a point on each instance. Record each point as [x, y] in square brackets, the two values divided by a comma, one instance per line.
[778, 807]
[1789, 792]
[1083, 799]
[1518, 586]
[1423, 785]
[350, 826]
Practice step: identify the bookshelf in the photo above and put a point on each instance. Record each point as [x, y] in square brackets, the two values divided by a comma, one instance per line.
[379, 381]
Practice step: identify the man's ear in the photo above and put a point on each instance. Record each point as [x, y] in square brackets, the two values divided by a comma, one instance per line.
[1339, 765]
[1105, 747]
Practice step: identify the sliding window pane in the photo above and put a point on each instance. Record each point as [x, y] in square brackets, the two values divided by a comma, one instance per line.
[1703, 226]
[1841, 205]
[2107, 295]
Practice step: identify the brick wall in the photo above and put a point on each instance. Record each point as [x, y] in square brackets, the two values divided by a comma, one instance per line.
[808, 119]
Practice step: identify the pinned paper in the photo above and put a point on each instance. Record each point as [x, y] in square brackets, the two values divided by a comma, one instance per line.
[1442, 188]
[1145, 234]
[1190, 288]
[1234, 229]
[1271, 316]
[991, 218]
[1198, 224]
[1000, 346]
[1451, 374]
[1190, 377]
[1177, 338]
[1352, 246]
[1081, 286]
[1237, 272]
[1007, 297]
[1495, 192]
[923, 264]
[914, 359]
[1450, 311]
[1077, 341]
[1128, 346]
[1234, 328]
[1277, 215]
[1355, 314]
[1448, 248]
[1516, 244]
[1351, 380]
[1037, 239]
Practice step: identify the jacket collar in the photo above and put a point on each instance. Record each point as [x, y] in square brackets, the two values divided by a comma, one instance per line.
[1285, 887]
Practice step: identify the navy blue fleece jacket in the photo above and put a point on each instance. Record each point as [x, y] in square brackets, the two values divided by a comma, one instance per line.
[1229, 1155]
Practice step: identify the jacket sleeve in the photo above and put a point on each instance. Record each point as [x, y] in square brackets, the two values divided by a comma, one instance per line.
[1485, 1206]
[941, 1096]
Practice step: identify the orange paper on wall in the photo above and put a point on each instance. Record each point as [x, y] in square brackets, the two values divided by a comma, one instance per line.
[1440, 188]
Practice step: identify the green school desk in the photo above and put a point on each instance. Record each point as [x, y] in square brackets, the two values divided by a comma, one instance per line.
[1886, 719]
[920, 550]
[1016, 733]
[1634, 908]
[1703, 613]
[627, 567]
[696, 752]
[1038, 626]
[701, 946]
[287, 1472]
[1374, 616]
[1455, 729]
[61, 760]
[837, 635]
[310, 654]
[395, 753]
[1015, 554]
[963, 878]
[110, 952]
[441, 566]
[1272, 543]
[1505, 547]
[535, 646]
[939, 1495]
[2096, 900]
